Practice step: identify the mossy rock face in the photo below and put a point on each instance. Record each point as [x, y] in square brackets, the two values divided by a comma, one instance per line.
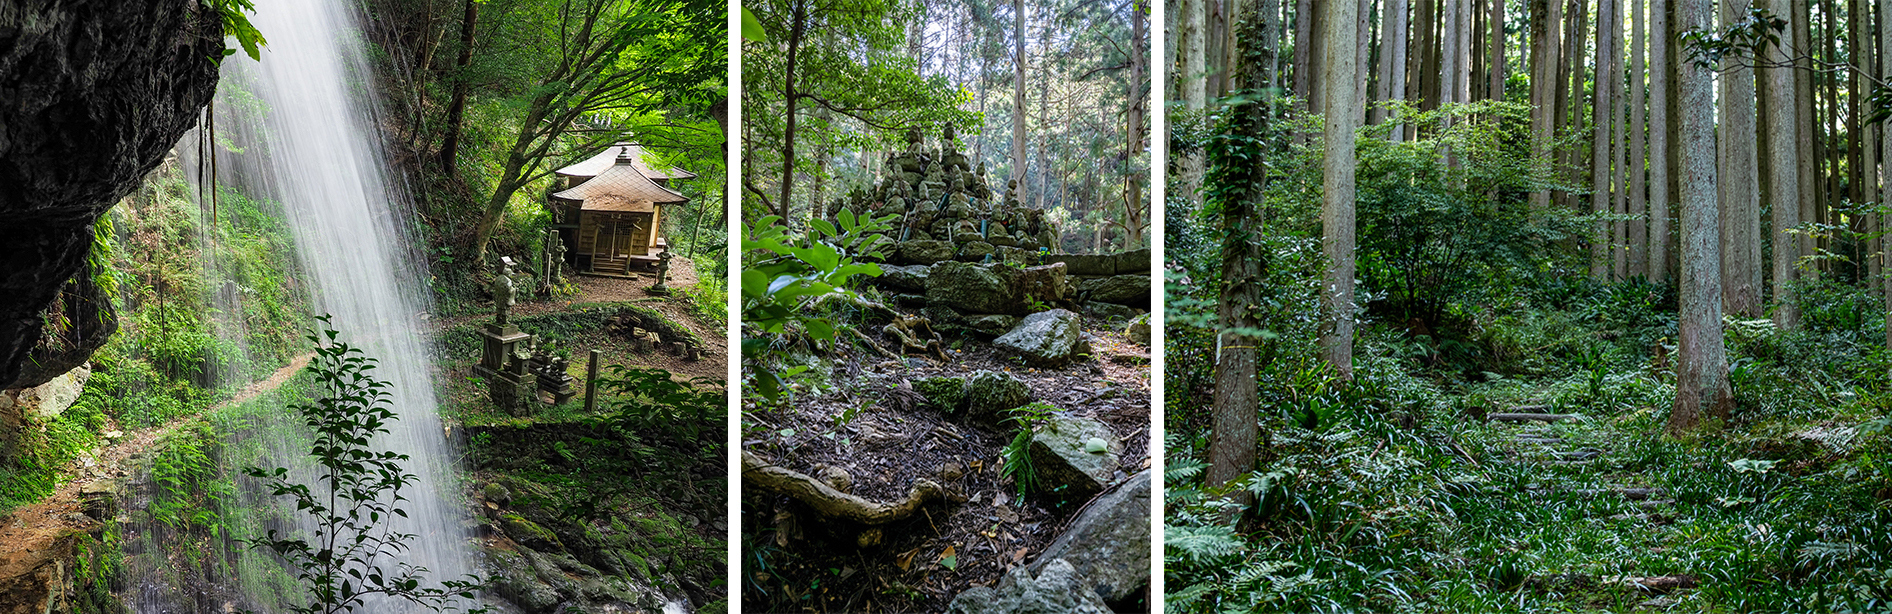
[988, 394]
[530, 534]
[945, 393]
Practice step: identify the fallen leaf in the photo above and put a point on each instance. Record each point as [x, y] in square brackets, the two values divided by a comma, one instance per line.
[906, 559]
[1020, 555]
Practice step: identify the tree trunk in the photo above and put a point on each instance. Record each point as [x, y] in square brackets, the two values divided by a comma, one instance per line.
[456, 111]
[1194, 89]
[1234, 437]
[1701, 388]
[1546, 25]
[1638, 210]
[1392, 65]
[1885, 259]
[1739, 188]
[1338, 73]
[798, 24]
[1783, 175]
[1805, 131]
[1600, 108]
[1018, 92]
[1133, 127]
[1659, 78]
[1304, 58]
[1495, 67]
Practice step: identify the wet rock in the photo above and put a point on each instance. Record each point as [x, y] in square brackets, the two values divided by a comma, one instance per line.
[1139, 329]
[1054, 588]
[924, 252]
[1064, 466]
[989, 393]
[97, 93]
[47, 400]
[1108, 545]
[529, 533]
[1050, 339]
[1127, 290]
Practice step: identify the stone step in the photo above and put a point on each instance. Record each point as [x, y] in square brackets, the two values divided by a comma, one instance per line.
[1534, 417]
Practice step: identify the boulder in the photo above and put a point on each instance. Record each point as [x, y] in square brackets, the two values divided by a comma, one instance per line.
[1050, 338]
[944, 393]
[47, 400]
[1139, 329]
[1017, 255]
[1064, 465]
[1109, 311]
[530, 534]
[1108, 545]
[903, 279]
[1087, 264]
[996, 288]
[1056, 587]
[1128, 290]
[989, 393]
[975, 251]
[991, 323]
[1133, 261]
[926, 251]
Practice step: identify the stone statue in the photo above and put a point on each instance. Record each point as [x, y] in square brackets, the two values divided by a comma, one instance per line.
[503, 290]
[555, 258]
[663, 267]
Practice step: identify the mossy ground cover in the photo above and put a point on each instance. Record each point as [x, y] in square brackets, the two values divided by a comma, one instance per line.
[1393, 493]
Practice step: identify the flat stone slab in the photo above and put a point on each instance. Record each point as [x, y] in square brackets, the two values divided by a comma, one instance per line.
[1109, 543]
[1063, 465]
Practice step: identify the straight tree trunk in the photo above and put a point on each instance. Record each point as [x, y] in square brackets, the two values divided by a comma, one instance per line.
[1392, 65]
[1018, 93]
[1235, 434]
[1429, 73]
[1337, 216]
[456, 110]
[1783, 175]
[1304, 58]
[1546, 24]
[1133, 128]
[1465, 30]
[1494, 50]
[1600, 109]
[1573, 91]
[798, 26]
[1701, 388]
[1885, 258]
[1659, 86]
[1638, 209]
[1739, 187]
[1806, 130]
[1619, 229]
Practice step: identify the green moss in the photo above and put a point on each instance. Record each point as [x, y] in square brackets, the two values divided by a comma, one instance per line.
[944, 393]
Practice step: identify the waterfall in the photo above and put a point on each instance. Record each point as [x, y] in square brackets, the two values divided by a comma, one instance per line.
[306, 130]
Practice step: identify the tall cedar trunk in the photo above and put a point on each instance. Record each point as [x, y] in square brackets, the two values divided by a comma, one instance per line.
[1234, 437]
[1194, 88]
[1449, 69]
[1429, 73]
[1600, 107]
[1659, 160]
[1338, 73]
[1465, 30]
[1701, 388]
[1677, 55]
[1363, 33]
[1638, 211]
[1392, 65]
[1824, 208]
[1885, 268]
[1869, 164]
[1619, 229]
[1546, 26]
[1419, 40]
[1271, 21]
[1783, 175]
[1133, 126]
[1494, 52]
[1806, 164]
[1018, 93]
[1304, 57]
[798, 24]
[456, 111]
[1573, 89]
[1739, 188]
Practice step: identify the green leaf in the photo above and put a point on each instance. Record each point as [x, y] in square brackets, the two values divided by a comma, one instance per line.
[752, 28]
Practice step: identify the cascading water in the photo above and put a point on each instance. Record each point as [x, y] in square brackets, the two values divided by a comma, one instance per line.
[306, 119]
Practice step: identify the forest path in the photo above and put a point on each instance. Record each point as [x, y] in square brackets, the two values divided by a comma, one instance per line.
[29, 534]
[1571, 463]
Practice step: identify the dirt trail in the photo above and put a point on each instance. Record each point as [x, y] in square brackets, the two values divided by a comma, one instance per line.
[27, 534]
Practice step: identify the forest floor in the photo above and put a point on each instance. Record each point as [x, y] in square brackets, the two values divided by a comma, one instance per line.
[797, 561]
[27, 533]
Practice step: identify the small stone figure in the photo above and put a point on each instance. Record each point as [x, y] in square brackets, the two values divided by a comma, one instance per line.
[503, 290]
[663, 267]
[554, 259]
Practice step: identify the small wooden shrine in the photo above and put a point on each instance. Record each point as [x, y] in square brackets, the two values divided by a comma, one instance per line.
[611, 211]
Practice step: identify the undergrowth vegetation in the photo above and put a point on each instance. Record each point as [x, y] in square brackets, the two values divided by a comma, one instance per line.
[1393, 493]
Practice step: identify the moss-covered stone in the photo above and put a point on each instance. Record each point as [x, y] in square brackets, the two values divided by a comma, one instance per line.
[944, 393]
[988, 394]
[529, 533]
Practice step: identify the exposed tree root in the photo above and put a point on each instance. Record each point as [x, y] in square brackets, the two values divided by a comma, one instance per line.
[833, 503]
